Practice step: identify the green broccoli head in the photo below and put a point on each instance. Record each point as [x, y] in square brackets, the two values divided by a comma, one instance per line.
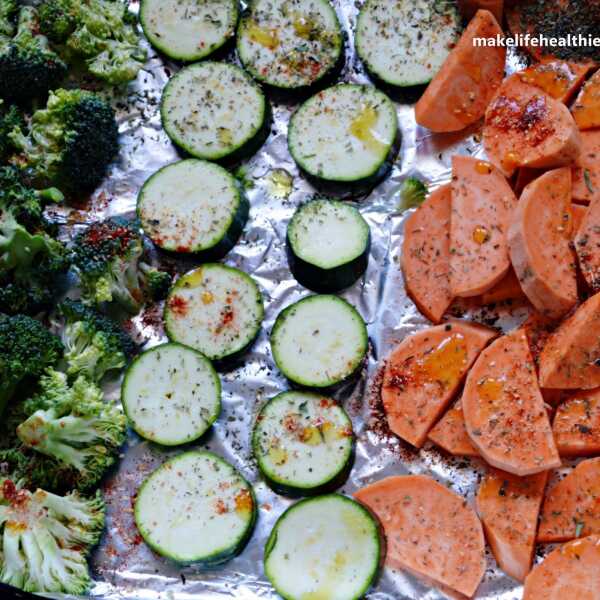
[27, 348]
[413, 193]
[94, 344]
[108, 259]
[73, 425]
[10, 117]
[8, 12]
[46, 538]
[28, 67]
[99, 31]
[71, 142]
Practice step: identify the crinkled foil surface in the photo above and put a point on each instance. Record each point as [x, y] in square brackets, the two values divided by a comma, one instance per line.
[123, 566]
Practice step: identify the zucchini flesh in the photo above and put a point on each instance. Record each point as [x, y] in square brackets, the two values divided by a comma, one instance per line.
[196, 508]
[171, 394]
[187, 29]
[328, 245]
[192, 206]
[302, 442]
[405, 42]
[289, 43]
[215, 309]
[319, 341]
[346, 133]
[325, 547]
[214, 111]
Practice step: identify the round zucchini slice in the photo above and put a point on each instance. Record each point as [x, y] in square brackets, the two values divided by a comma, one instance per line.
[404, 43]
[215, 309]
[193, 206]
[171, 394]
[303, 443]
[188, 30]
[328, 245]
[319, 341]
[290, 43]
[346, 133]
[324, 547]
[214, 111]
[196, 508]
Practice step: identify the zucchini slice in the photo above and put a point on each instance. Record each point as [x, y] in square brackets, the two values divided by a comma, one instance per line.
[346, 133]
[290, 43]
[324, 547]
[319, 341]
[405, 42]
[303, 443]
[328, 245]
[196, 508]
[215, 309]
[214, 111]
[171, 394]
[193, 206]
[187, 29]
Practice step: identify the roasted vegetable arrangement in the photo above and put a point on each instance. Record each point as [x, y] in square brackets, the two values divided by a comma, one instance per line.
[518, 225]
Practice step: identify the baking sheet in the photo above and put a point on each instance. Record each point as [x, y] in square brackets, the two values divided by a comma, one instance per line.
[123, 567]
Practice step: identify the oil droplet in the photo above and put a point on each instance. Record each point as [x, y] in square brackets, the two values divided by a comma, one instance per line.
[574, 549]
[207, 297]
[483, 167]
[280, 183]
[243, 501]
[490, 389]
[303, 26]
[265, 37]
[480, 235]
[311, 436]
[362, 129]
[447, 363]
[225, 136]
[510, 160]
[194, 279]
[278, 455]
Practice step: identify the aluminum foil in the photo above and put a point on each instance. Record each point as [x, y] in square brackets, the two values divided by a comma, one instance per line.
[123, 566]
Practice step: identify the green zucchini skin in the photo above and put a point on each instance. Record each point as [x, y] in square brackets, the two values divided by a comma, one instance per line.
[303, 454]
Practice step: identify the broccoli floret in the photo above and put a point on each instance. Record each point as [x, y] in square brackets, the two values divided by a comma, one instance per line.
[71, 142]
[8, 12]
[10, 118]
[108, 258]
[30, 259]
[413, 193]
[73, 425]
[99, 31]
[46, 538]
[94, 344]
[27, 348]
[28, 67]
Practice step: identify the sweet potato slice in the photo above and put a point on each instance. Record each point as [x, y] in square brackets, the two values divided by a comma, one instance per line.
[508, 288]
[538, 241]
[509, 507]
[578, 213]
[586, 172]
[468, 8]
[423, 374]
[572, 506]
[570, 360]
[451, 435]
[587, 245]
[504, 410]
[430, 530]
[425, 259]
[524, 127]
[559, 79]
[460, 92]
[576, 425]
[571, 572]
[586, 110]
[482, 205]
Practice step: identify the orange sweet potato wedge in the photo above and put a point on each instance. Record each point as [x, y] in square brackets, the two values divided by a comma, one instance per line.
[425, 259]
[450, 433]
[509, 507]
[538, 239]
[424, 372]
[430, 530]
[571, 508]
[468, 8]
[576, 425]
[572, 571]
[524, 127]
[587, 245]
[586, 110]
[460, 92]
[586, 172]
[482, 206]
[570, 359]
[504, 410]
